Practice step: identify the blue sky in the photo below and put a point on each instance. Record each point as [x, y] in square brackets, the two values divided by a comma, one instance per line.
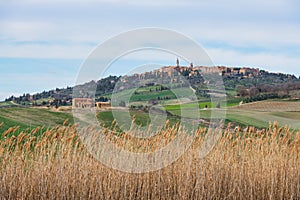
[43, 43]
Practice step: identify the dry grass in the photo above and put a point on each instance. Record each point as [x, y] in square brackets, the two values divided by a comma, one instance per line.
[253, 164]
[271, 106]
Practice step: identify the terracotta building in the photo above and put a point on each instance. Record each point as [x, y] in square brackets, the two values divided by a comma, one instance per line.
[102, 105]
[82, 103]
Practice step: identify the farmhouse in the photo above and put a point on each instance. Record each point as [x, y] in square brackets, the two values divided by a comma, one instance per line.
[82, 103]
[102, 105]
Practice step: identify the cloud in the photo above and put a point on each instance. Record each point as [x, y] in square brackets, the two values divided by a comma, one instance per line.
[159, 3]
[243, 23]
[45, 51]
[270, 62]
[232, 48]
[251, 32]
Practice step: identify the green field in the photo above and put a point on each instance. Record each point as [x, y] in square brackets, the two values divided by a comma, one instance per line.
[142, 119]
[144, 94]
[31, 118]
[285, 113]
[247, 117]
[6, 104]
[258, 114]
[202, 104]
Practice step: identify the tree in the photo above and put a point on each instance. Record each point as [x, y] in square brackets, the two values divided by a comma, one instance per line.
[122, 104]
[153, 101]
[242, 91]
[253, 91]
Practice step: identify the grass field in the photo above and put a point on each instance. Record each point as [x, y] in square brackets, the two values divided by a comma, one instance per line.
[6, 104]
[144, 94]
[241, 115]
[142, 118]
[261, 113]
[31, 118]
[272, 106]
[202, 104]
[258, 114]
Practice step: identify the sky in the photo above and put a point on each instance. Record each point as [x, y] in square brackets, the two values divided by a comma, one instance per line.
[44, 43]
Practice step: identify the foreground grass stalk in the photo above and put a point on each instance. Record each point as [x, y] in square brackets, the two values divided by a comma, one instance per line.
[245, 164]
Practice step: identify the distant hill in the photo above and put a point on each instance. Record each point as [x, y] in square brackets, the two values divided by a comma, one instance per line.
[250, 83]
[63, 96]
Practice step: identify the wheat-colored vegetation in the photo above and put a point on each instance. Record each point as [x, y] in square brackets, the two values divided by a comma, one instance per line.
[245, 164]
[271, 106]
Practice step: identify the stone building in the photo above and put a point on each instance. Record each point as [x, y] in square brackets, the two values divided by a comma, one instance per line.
[101, 105]
[82, 103]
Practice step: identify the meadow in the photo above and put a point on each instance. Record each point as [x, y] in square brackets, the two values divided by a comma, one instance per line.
[31, 118]
[257, 114]
[244, 164]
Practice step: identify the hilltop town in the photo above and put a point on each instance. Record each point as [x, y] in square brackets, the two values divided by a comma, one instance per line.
[173, 71]
[242, 81]
[196, 71]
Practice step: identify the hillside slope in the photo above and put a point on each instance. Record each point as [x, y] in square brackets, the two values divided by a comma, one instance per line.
[31, 118]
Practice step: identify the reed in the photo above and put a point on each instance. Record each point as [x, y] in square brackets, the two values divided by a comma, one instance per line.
[245, 164]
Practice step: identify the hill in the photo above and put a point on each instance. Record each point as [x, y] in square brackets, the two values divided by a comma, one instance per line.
[252, 84]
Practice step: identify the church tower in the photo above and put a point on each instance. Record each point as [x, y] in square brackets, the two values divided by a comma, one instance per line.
[191, 66]
[177, 62]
